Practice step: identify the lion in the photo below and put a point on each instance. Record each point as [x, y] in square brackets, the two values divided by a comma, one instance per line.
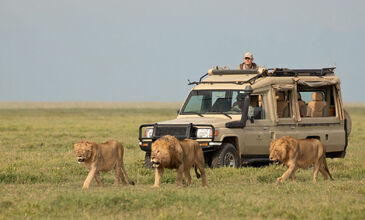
[302, 153]
[102, 157]
[168, 152]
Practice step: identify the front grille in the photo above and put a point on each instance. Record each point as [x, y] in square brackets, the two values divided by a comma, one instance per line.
[179, 132]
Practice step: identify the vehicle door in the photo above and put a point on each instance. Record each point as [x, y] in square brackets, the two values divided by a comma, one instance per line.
[257, 134]
[286, 111]
[324, 118]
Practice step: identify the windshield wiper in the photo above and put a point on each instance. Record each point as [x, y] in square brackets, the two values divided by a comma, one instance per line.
[195, 113]
[224, 114]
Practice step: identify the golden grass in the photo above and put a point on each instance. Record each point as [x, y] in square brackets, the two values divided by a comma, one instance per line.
[93, 105]
[40, 178]
[111, 105]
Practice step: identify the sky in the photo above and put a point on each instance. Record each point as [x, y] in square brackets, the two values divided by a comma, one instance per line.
[93, 50]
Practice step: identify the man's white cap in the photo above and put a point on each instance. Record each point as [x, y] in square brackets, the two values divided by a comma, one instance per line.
[249, 55]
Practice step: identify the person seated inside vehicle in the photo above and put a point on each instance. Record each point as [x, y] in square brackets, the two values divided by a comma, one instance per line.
[237, 105]
[254, 110]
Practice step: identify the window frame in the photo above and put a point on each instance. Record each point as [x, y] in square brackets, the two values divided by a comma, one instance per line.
[329, 94]
[324, 119]
[228, 91]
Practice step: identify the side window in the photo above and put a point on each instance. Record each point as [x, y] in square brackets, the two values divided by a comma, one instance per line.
[283, 100]
[316, 102]
[256, 107]
[234, 96]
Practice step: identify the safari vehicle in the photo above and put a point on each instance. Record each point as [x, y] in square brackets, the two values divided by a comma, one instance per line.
[235, 114]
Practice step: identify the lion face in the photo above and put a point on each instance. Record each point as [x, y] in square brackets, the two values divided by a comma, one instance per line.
[83, 151]
[277, 151]
[275, 155]
[160, 153]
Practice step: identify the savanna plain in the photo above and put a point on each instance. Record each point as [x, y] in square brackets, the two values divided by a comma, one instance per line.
[40, 178]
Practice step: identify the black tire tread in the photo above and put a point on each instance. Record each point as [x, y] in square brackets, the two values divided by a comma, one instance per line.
[348, 122]
[217, 160]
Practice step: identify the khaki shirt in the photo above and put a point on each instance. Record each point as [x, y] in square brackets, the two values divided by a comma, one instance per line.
[242, 66]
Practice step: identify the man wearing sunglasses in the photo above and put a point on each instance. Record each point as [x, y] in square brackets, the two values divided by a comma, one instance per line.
[248, 62]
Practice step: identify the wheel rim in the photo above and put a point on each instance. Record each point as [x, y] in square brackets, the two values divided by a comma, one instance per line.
[229, 160]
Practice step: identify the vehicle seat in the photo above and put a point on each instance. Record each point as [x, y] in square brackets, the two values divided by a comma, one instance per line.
[302, 106]
[317, 105]
[221, 105]
[281, 104]
[331, 111]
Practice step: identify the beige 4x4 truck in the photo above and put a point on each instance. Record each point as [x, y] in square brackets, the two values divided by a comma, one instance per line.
[235, 114]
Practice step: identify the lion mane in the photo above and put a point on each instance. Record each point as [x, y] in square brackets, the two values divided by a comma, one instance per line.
[294, 154]
[168, 152]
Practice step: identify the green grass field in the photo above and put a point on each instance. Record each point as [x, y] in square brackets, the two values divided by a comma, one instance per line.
[40, 178]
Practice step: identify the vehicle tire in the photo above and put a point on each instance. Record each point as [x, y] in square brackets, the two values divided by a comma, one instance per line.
[147, 161]
[348, 122]
[227, 156]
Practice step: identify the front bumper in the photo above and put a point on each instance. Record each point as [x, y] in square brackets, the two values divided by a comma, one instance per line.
[207, 146]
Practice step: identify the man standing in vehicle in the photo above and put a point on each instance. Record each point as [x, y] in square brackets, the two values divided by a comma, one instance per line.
[248, 62]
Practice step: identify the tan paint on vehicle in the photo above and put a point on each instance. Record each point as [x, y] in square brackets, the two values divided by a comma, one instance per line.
[255, 138]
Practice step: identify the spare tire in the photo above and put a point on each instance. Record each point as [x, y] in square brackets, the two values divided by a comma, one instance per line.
[348, 122]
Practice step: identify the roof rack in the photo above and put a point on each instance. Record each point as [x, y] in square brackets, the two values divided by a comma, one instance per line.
[232, 72]
[302, 72]
[251, 80]
[273, 72]
[276, 71]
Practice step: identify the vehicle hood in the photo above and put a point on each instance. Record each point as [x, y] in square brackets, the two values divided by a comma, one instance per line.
[198, 120]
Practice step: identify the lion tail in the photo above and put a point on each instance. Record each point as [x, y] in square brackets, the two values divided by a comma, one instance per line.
[325, 161]
[196, 152]
[326, 167]
[196, 172]
[121, 153]
[126, 176]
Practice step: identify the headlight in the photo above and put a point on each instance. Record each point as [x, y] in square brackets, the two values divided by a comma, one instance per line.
[148, 132]
[204, 133]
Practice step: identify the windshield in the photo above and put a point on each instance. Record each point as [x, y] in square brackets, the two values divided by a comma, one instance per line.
[212, 101]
